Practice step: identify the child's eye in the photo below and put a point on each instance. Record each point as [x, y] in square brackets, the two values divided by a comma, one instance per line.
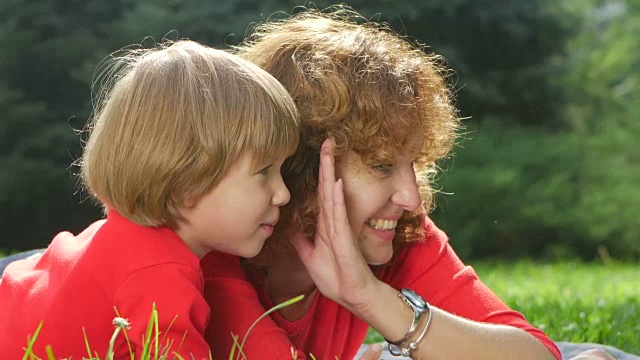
[383, 168]
[265, 170]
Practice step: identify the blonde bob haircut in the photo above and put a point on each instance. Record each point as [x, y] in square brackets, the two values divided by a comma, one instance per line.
[372, 91]
[170, 121]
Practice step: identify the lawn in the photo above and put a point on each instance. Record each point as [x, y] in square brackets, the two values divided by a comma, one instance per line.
[571, 302]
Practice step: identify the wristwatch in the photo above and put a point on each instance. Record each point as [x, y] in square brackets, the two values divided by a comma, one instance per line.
[415, 301]
[419, 307]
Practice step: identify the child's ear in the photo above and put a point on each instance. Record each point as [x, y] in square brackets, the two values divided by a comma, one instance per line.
[185, 201]
[189, 202]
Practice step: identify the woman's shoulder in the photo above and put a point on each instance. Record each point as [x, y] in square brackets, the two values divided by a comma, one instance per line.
[433, 242]
[433, 232]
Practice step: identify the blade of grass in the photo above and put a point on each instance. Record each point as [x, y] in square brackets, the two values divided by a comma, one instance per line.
[126, 336]
[155, 326]
[86, 341]
[275, 308]
[30, 341]
[120, 325]
[184, 337]
[166, 331]
[236, 345]
[146, 351]
[49, 352]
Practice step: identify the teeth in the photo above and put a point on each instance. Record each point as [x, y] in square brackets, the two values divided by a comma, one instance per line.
[383, 224]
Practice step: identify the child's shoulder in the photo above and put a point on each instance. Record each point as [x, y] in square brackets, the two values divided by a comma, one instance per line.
[133, 247]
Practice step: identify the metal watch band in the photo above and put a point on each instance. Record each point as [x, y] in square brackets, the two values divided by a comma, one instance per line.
[406, 348]
[419, 307]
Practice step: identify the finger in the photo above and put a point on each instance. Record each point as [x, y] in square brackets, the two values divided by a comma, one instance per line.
[343, 243]
[320, 186]
[326, 162]
[373, 352]
[340, 218]
[328, 179]
[321, 228]
[320, 177]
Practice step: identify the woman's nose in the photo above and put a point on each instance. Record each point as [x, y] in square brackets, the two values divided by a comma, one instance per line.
[407, 194]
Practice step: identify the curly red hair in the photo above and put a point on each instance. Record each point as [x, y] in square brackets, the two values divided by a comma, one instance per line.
[372, 91]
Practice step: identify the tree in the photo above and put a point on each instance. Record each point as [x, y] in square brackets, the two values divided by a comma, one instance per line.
[43, 105]
[501, 51]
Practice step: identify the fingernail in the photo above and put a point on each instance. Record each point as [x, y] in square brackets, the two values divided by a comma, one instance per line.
[376, 347]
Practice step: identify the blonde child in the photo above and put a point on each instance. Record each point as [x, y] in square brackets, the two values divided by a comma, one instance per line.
[184, 155]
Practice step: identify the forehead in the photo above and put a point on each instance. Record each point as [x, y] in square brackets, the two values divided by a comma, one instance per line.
[394, 131]
[266, 157]
[391, 150]
[349, 164]
[245, 163]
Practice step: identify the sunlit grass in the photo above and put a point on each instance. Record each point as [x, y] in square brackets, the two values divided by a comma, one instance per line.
[573, 302]
[153, 347]
[570, 301]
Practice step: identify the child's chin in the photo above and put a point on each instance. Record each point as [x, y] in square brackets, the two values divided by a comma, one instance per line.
[250, 253]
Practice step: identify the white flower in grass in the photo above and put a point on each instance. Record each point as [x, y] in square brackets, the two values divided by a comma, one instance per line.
[121, 323]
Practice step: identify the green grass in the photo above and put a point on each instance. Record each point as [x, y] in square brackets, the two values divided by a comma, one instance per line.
[571, 302]
[153, 347]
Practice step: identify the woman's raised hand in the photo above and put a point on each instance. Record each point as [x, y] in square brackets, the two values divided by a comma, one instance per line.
[334, 260]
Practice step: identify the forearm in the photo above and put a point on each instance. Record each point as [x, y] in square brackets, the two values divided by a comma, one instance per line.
[448, 336]
[452, 337]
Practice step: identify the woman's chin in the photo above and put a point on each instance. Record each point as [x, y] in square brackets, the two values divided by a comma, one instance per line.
[378, 259]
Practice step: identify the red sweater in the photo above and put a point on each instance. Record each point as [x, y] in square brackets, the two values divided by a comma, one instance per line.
[79, 280]
[430, 267]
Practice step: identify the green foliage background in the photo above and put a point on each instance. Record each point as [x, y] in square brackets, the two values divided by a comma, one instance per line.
[547, 167]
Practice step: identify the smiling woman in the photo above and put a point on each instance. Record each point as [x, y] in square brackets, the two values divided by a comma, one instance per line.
[377, 115]
[355, 238]
[376, 197]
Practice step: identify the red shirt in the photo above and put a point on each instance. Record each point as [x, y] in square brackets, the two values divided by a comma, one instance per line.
[79, 280]
[430, 267]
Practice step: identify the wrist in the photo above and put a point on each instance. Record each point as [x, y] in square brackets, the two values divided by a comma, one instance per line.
[423, 315]
[387, 313]
[367, 305]
[418, 307]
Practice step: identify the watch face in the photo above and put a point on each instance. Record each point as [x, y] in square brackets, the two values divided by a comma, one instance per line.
[414, 298]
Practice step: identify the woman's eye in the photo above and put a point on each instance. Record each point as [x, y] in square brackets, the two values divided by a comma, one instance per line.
[383, 168]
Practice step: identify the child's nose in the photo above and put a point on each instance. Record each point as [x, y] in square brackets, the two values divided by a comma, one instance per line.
[281, 195]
